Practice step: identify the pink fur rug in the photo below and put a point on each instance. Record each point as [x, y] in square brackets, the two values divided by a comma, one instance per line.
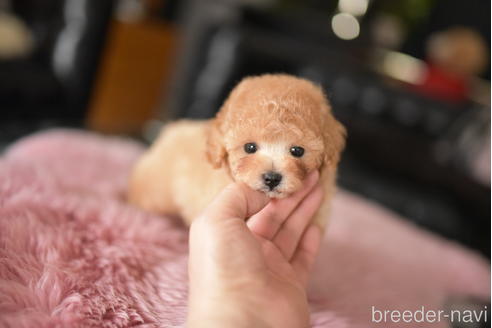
[74, 254]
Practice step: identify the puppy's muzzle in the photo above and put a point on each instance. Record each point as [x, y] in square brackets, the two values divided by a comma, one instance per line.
[271, 179]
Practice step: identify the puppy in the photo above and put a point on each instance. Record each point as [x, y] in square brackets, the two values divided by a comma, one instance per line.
[269, 134]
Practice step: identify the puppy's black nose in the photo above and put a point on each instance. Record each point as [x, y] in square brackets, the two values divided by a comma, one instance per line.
[271, 179]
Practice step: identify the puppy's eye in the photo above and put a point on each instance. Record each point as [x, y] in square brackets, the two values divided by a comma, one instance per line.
[250, 148]
[296, 151]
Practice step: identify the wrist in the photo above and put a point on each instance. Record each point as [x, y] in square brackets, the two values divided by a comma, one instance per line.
[248, 306]
[224, 312]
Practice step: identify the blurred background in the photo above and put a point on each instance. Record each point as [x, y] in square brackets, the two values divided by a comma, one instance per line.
[410, 79]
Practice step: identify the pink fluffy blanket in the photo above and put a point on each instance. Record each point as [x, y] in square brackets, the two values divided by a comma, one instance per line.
[74, 254]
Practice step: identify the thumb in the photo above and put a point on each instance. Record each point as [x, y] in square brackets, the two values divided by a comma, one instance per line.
[236, 201]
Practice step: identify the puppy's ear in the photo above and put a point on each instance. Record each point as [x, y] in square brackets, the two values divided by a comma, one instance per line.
[215, 152]
[334, 135]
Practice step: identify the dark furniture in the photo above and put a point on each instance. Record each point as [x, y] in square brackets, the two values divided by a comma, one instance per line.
[52, 85]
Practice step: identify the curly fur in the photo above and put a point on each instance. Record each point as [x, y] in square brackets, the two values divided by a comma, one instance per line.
[276, 112]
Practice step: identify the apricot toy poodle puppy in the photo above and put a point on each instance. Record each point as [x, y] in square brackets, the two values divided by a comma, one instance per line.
[269, 134]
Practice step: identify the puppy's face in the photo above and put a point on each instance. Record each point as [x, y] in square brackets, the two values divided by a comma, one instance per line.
[275, 163]
[272, 131]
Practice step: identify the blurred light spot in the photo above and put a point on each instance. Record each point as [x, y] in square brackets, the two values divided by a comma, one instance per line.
[403, 67]
[353, 7]
[345, 26]
[15, 37]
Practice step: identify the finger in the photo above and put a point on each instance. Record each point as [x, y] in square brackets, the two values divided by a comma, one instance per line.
[303, 259]
[235, 201]
[267, 222]
[289, 235]
[276, 261]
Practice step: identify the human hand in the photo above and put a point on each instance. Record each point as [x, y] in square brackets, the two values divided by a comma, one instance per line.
[253, 273]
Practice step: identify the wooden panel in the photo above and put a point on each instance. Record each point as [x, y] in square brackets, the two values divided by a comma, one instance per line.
[133, 73]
